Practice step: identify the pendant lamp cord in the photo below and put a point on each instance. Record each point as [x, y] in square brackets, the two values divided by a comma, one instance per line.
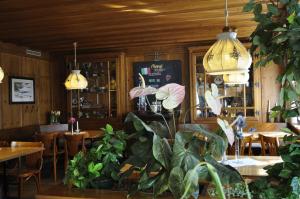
[226, 13]
[75, 58]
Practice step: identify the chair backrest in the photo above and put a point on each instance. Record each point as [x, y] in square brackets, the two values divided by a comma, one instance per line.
[4, 143]
[74, 143]
[269, 143]
[246, 142]
[243, 144]
[49, 141]
[35, 160]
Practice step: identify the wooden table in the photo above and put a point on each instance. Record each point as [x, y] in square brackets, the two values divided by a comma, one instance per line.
[9, 153]
[277, 134]
[254, 171]
[89, 134]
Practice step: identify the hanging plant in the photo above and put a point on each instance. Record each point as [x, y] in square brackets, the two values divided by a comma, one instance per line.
[277, 38]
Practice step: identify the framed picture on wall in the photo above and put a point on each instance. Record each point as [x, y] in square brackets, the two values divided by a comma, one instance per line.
[21, 90]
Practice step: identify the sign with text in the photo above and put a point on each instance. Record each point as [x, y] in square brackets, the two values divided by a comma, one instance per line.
[157, 73]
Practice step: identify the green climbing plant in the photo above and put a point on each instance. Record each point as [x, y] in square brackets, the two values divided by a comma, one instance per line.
[277, 38]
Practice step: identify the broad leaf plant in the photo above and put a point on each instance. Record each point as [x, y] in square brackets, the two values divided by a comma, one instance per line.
[277, 39]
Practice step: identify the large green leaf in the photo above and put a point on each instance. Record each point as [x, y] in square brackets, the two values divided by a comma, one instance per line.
[217, 144]
[184, 152]
[227, 174]
[190, 182]
[249, 6]
[273, 9]
[159, 128]
[146, 182]
[162, 151]
[137, 122]
[161, 184]
[176, 181]
[295, 184]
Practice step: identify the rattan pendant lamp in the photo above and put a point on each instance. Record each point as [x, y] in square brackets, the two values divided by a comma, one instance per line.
[75, 80]
[228, 57]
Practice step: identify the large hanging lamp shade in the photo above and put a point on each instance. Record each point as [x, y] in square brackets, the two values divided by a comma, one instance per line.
[75, 80]
[236, 78]
[228, 57]
[1, 75]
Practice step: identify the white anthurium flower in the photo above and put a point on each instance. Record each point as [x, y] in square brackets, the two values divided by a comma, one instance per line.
[213, 99]
[172, 95]
[142, 90]
[226, 127]
[213, 102]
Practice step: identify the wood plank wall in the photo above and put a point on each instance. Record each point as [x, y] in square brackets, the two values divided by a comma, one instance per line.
[49, 94]
[269, 87]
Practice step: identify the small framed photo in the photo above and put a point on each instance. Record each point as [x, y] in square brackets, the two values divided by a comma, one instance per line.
[21, 90]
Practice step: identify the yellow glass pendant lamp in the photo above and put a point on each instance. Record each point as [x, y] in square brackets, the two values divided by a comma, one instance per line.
[1, 75]
[75, 80]
[228, 57]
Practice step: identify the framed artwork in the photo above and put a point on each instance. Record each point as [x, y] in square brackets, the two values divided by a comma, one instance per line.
[21, 90]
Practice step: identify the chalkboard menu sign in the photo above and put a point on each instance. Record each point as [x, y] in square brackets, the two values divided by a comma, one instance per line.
[158, 73]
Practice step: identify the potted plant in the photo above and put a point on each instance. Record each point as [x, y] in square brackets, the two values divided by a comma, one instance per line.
[277, 38]
[99, 166]
[177, 166]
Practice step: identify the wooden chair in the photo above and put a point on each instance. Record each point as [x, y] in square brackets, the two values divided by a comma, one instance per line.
[33, 165]
[246, 142]
[51, 150]
[73, 144]
[270, 144]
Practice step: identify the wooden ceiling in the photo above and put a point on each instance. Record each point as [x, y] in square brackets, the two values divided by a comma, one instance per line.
[53, 25]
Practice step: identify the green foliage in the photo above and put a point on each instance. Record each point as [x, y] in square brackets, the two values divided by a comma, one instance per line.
[180, 166]
[281, 174]
[102, 161]
[277, 38]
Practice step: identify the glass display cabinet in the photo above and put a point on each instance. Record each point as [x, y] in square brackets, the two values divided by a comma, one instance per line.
[100, 99]
[239, 98]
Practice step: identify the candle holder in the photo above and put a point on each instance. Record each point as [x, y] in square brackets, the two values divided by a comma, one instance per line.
[238, 137]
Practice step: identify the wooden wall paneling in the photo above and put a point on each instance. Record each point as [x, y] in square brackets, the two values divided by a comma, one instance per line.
[270, 88]
[11, 114]
[130, 59]
[121, 79]
[1, 95]
[257, 93]
[30, 112]
[44, 97]
[15, 62]
[58, 74]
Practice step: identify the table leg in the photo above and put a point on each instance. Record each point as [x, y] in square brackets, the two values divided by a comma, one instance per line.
[4, 181]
